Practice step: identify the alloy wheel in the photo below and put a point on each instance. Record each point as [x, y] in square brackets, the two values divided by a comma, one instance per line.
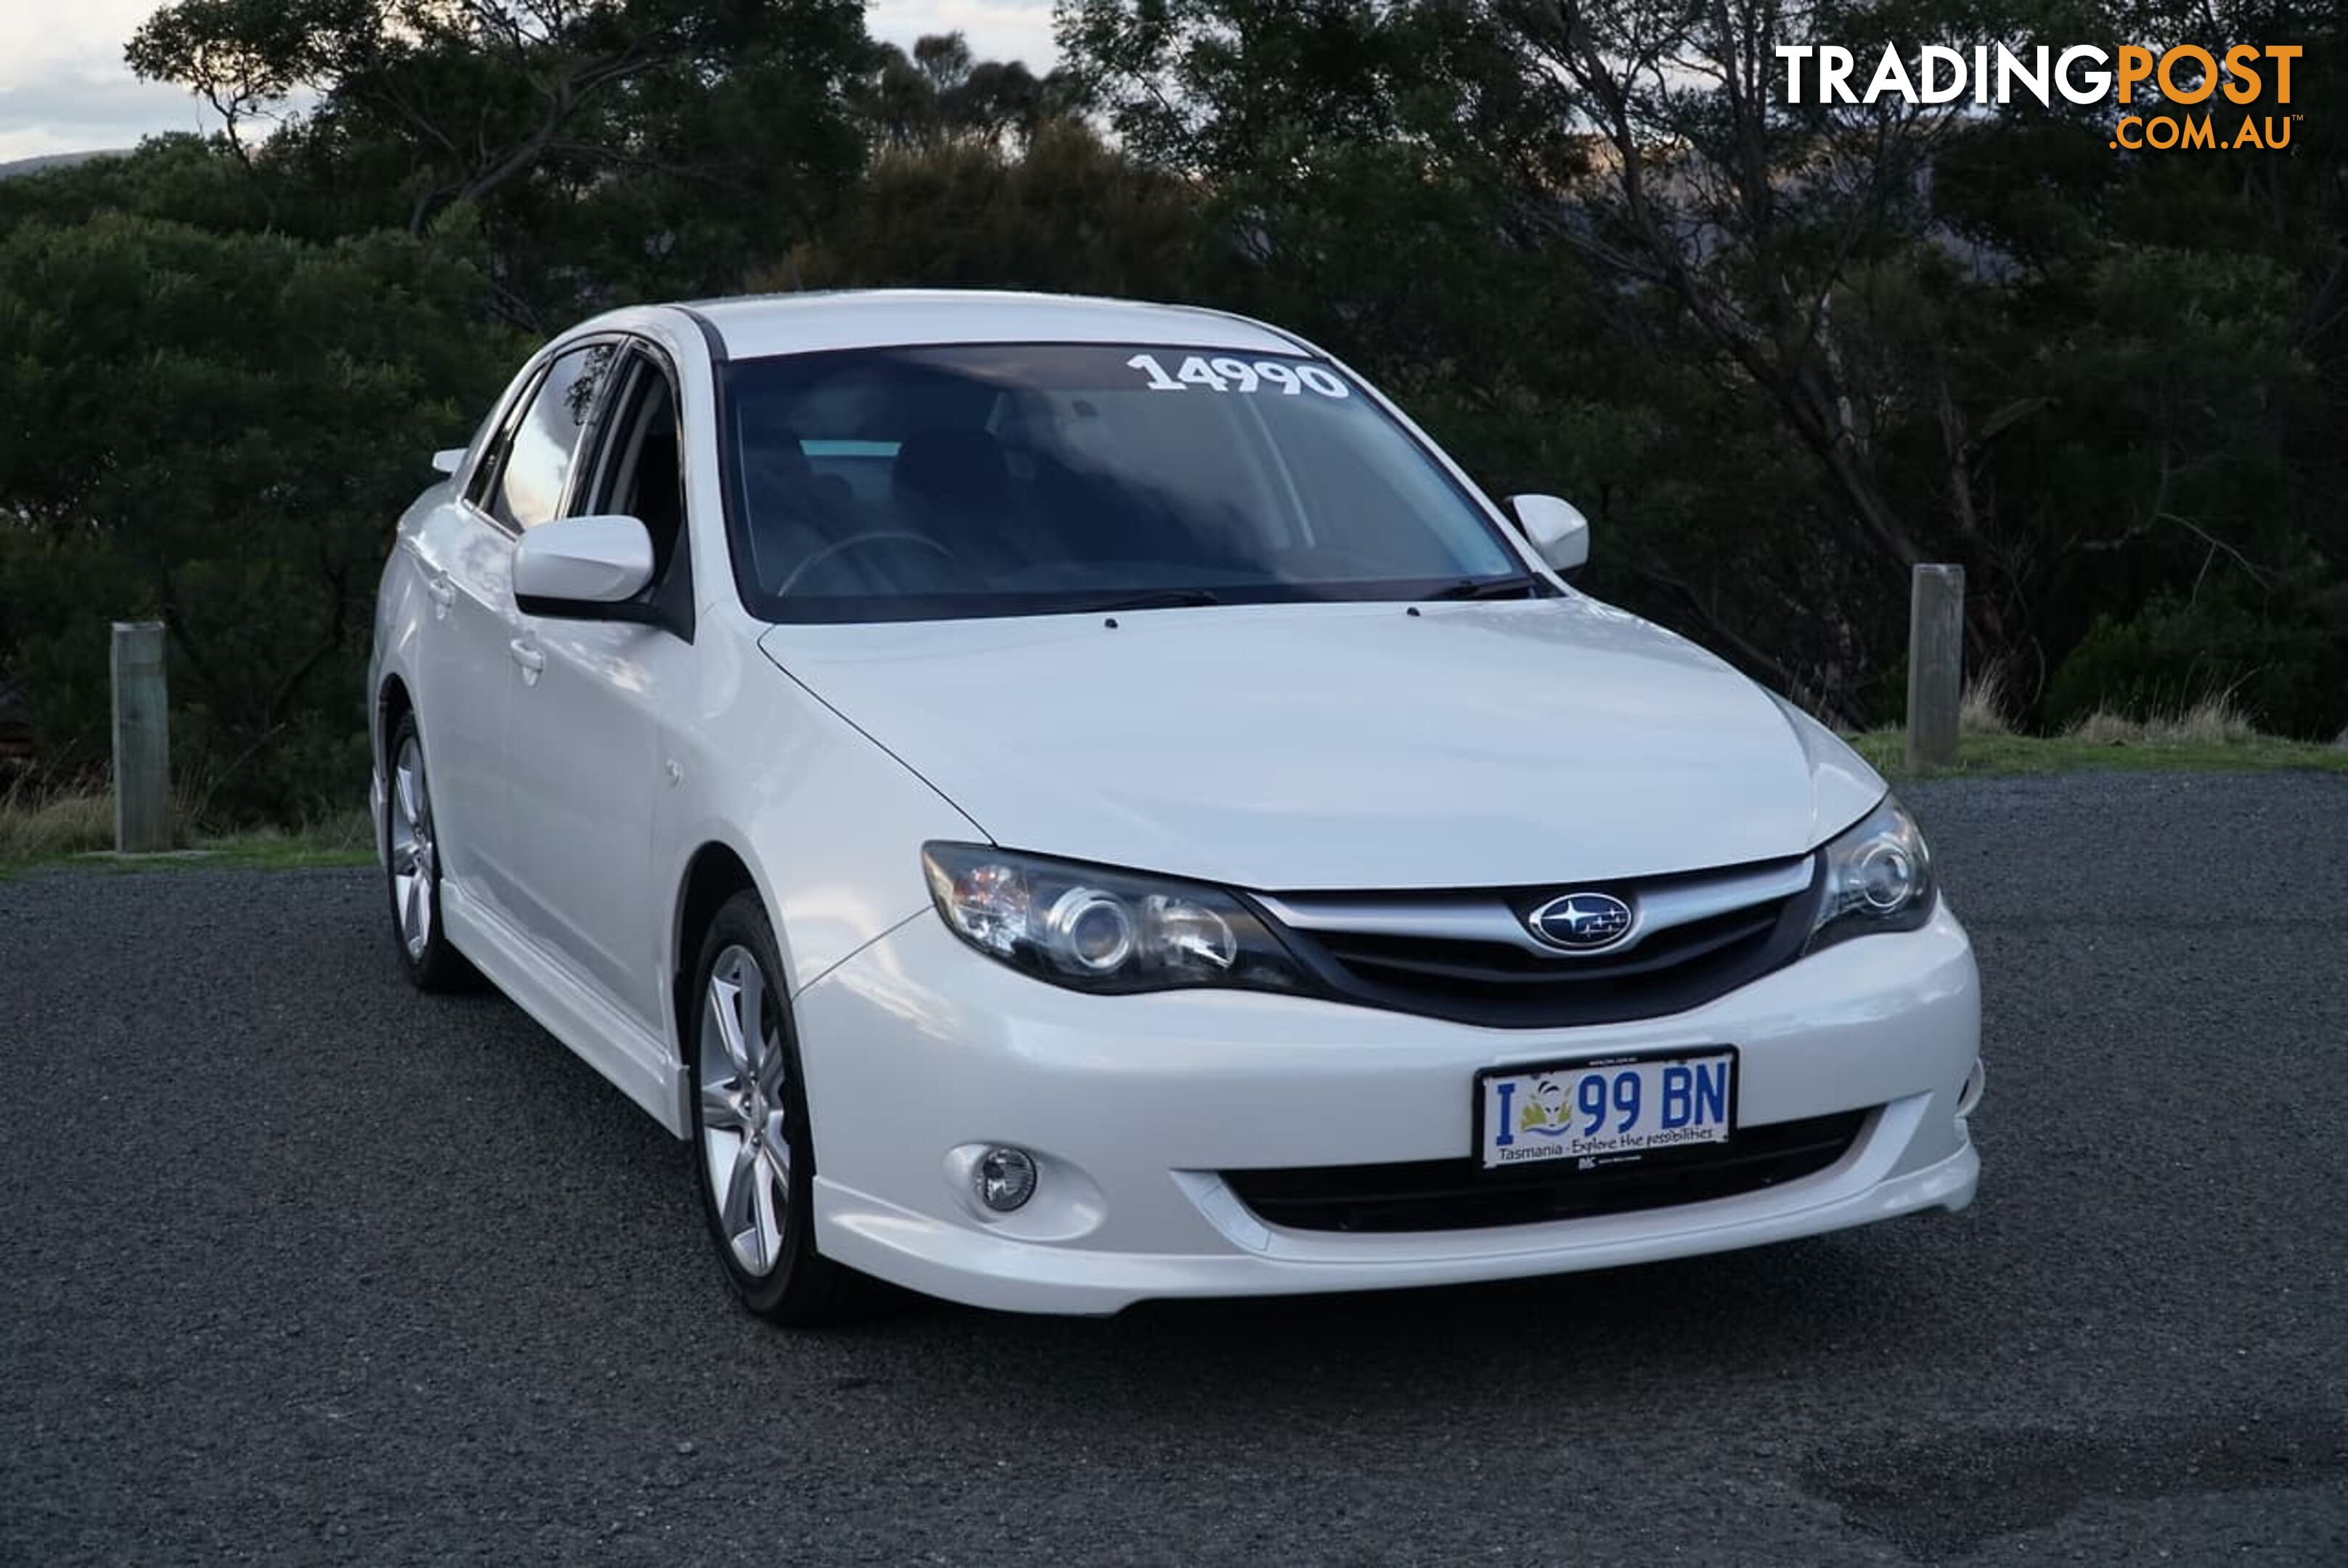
[744, 1141]
[414, 862]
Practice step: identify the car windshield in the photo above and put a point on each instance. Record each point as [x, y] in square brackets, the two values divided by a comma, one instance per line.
[931, 483]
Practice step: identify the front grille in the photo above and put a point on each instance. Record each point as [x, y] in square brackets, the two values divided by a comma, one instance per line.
[1467, 957]
[1458, 1195]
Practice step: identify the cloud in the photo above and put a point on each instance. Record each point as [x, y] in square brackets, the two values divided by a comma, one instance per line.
[79, 39]
[79, 103]
[997, 29]
[63, 88]
[62, 85]
[90, 110]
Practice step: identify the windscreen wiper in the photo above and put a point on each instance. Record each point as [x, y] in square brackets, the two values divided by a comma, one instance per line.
[1490, 588]
[1163, 599]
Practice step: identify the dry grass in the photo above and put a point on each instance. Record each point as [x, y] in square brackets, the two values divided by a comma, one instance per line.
[43, 821]
[1982, 710]
[2212, 722]
[2211, 735]
[38, 823]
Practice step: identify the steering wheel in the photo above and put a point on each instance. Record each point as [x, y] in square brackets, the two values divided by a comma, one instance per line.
[853, 541]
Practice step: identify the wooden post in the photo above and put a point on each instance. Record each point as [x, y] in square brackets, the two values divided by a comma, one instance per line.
[142, 740]
[1936, 664]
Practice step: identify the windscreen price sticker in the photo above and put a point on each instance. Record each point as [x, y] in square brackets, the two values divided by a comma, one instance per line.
[1227, 374]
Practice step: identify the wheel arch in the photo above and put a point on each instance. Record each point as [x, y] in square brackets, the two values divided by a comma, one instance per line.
[392, 702]
[714, 873]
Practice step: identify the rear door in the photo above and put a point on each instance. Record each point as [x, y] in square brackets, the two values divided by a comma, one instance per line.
[461, 556]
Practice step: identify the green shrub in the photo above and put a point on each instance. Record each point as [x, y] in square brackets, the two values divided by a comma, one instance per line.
[2285, 670]
[219, 430]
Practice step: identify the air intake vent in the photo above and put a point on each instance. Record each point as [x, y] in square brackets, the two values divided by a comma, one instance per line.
[1456, 1195]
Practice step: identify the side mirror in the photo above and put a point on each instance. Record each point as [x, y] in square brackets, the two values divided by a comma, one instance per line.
[583, 568]
[448, 459]
[1559, 532]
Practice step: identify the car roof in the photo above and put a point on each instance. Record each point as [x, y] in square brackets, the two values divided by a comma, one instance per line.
[754, 327]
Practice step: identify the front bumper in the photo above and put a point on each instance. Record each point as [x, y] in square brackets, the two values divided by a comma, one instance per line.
[918, 1051]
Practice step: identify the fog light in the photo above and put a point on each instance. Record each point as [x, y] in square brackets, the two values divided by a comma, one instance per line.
[1005, 1178]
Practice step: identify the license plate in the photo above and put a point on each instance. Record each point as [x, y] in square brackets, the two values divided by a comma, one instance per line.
[1605, 1112]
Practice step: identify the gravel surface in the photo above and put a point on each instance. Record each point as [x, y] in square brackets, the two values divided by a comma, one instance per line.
[300, 1265]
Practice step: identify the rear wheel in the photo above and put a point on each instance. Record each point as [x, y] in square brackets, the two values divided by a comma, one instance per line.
[754, 1158]
[412, 868]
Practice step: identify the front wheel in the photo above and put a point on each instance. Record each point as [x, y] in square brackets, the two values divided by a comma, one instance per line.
[754, 1159]
[412, 868]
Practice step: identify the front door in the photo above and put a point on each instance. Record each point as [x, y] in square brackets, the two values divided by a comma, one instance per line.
[586, 754]
[519, 482]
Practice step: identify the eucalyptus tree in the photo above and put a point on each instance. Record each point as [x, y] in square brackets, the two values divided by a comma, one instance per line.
[611, 148]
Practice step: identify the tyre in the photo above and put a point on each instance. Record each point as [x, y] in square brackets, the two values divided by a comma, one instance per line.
[412, 869]
[753, 1155]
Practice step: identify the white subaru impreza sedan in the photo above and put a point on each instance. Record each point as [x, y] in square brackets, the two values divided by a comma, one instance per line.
[1062, 801]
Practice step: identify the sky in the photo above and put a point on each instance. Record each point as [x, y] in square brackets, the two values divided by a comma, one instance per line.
[63, 88]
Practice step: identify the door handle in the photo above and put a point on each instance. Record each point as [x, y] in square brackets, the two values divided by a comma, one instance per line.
[531, 660]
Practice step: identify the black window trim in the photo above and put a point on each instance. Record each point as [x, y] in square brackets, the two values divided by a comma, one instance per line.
[608, 410]
[481, 471]
[671, 604]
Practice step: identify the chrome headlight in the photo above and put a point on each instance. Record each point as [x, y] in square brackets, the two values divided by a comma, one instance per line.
[1879, 878]
[1094, 929]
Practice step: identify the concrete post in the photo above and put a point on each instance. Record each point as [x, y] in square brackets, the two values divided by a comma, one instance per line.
[142, 740]
[1936, 664]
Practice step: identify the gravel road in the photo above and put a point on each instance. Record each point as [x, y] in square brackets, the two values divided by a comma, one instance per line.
[297, 1264]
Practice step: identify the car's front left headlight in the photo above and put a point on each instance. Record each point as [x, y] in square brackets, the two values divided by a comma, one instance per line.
[1879, 878]
[1094, 929]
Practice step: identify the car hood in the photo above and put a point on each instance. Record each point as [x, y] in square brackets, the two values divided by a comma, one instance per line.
[1297, 747]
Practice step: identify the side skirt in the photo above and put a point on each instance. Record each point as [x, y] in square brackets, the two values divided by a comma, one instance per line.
[545, 988]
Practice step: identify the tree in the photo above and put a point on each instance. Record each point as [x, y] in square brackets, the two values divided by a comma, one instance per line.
[938, 92]
[1069, 213]
[1748, 210]
[1793, 348]
[611, 148]
[1398, 181]
[218, 430]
